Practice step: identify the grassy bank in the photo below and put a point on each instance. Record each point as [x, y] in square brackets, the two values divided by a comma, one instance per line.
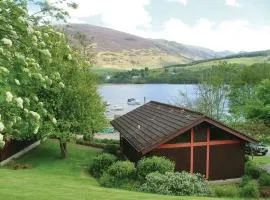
[53, 178]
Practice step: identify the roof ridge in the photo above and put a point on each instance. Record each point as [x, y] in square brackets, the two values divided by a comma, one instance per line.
[177, 107]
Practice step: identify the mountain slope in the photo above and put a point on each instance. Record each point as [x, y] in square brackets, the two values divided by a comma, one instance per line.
[122, 50]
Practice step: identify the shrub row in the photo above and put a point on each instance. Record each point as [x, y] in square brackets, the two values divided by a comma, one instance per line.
[176, 183]
[152, 174]
[101, 163]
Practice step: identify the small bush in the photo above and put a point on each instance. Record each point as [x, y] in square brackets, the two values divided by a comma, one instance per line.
[154, 164]
[88, 136]
[264, 179]
[119, 174]
[180, 184]
[226, 191]
[245, 180]
[247, 158]
[105, 141]
[101, 163]
[111, 148]
[250, 190]
[252, 170]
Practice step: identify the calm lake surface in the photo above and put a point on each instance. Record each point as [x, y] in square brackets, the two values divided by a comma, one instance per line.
[118, 94]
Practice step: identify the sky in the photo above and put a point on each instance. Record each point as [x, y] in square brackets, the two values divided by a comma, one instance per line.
[234, 25]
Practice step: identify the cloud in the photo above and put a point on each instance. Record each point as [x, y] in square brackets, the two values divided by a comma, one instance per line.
[234, 35]
[131, 16]
[124, 15]
[232, 3]
[184, 2]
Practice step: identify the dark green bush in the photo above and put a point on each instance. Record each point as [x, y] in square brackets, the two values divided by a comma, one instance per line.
[101, 163]
[250, 190]
[264, 179]
[88, 136]
[226, 191]
[177, 183]
[105, 141]
[119, 174]
[252, 170]
[245, 180]
[111, 148]
[154, 164]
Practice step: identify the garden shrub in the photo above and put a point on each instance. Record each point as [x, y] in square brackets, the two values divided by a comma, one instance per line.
[245, 180]
[178, 183]
[252, 170]
[250, 190]
[119, 174]
[154, 164]
[111, 148]
[105, 141]
[264, 179]
[88, 136]
[101, 163]
[226, 191]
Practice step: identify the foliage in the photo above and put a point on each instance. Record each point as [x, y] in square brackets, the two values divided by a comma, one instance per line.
[258, 106]
[211, 93]
[252, 170]
[154, 164]
[254, 128]
[176, 184]
[101, 163]
[111, 148]
[23, 54]
[250, 189]
[62, 179]
[119, 174]
[105, 141]
[231, 191]
[244, 89]
[46, 87]
[88, 136]
[264, 179]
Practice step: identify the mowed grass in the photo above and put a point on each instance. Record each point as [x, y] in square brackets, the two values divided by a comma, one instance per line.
[54, 178]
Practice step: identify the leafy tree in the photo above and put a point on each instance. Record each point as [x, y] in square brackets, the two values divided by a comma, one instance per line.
[46, 87]
[258, 106]
[211, 94]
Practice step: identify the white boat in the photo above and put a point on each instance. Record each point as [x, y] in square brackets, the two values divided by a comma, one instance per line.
[107, 103]
[133, 101]
[117, 108]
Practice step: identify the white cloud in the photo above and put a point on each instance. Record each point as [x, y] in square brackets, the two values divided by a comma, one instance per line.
[132, 17]
[124, 15]
[232, 3]
[235, 35]
[184, 2]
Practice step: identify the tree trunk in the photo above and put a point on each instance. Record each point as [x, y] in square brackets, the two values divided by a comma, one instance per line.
[63, 148]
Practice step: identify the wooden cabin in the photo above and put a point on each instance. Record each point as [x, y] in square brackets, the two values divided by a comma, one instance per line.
[195, 142]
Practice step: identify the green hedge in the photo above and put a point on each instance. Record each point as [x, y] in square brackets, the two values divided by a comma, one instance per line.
[226, 190]
[178, 183]
[252, 170]
[154, 164]
[250, 190]
[101, 163]
[119, 174]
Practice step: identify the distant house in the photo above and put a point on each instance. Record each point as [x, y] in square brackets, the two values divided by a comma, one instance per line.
[195, 142]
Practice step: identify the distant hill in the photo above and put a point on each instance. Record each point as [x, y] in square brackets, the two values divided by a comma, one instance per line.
[243, 58]
[117, 49]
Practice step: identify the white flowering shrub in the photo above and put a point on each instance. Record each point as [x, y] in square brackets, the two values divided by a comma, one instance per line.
[46, 88]
[23, 53]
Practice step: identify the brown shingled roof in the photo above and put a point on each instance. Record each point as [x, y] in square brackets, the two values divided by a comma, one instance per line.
[155, 123]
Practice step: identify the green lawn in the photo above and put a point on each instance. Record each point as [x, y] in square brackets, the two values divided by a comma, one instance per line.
[53, 178]
[261, 160]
